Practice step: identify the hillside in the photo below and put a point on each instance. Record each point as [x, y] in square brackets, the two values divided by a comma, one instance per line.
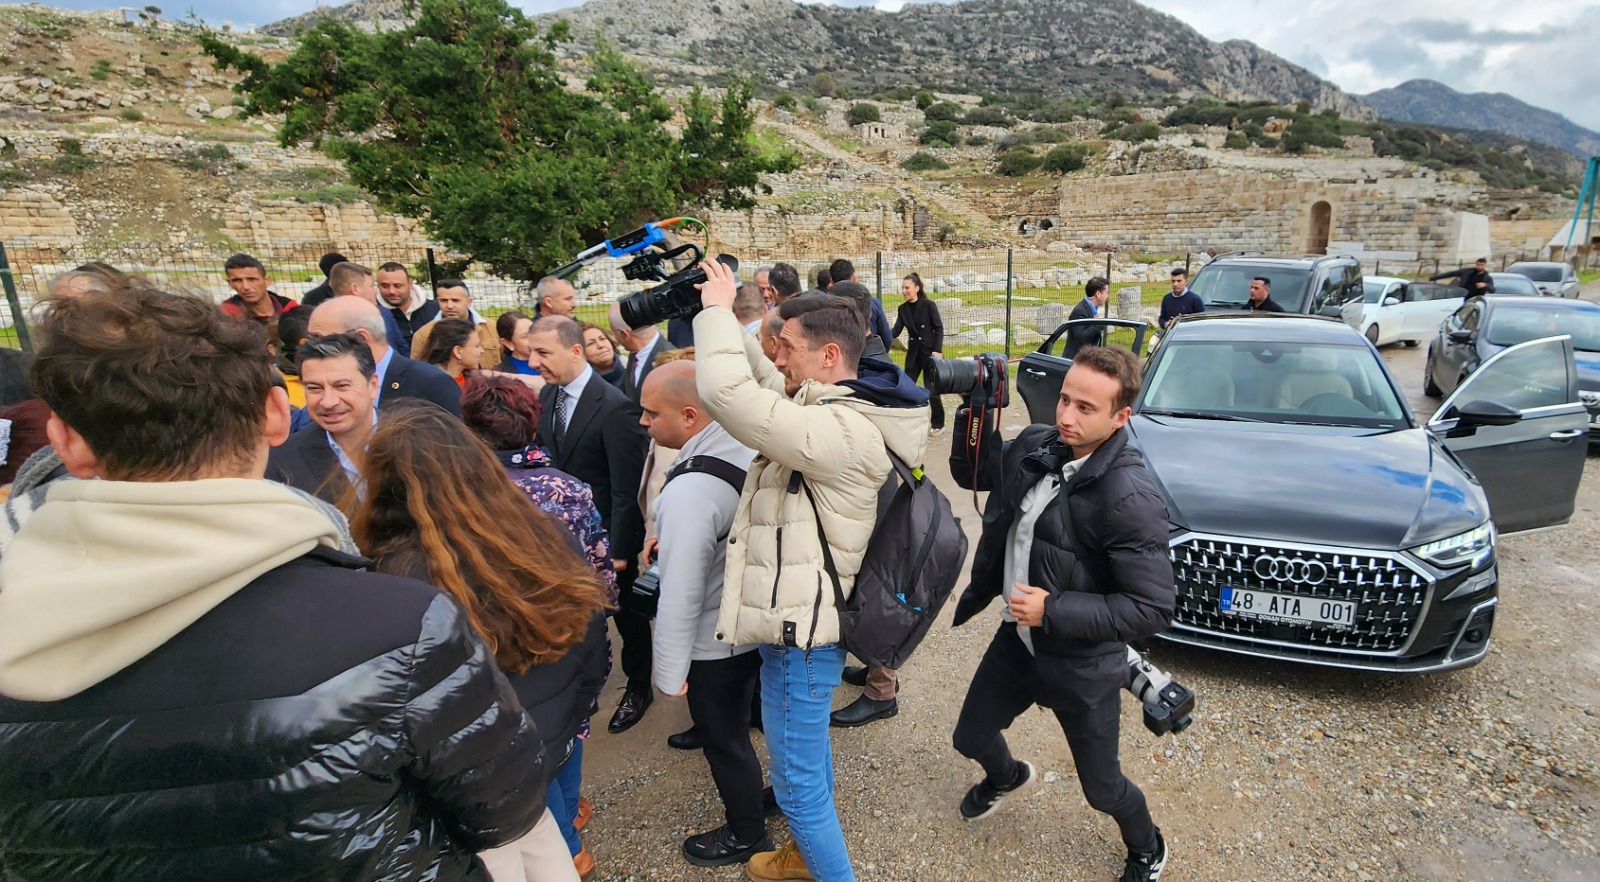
[1062, 48]
[1435, 104]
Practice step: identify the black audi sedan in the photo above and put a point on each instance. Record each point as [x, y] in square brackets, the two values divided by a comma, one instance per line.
[1482, 326]
[1314, 519]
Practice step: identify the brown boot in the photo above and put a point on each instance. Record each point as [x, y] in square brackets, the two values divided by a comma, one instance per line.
[783, 865]
[583, 862]
[585, 812]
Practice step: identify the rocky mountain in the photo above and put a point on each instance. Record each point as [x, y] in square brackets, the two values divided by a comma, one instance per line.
[1432, 103]
[1053, 47]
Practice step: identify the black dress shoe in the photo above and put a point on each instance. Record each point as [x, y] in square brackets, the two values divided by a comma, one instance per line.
[855, 675]
[720, 847]
[630, 709]
[863, 711]
[688, 739]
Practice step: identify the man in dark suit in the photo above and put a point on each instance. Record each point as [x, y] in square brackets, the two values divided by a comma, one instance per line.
[592, 432]
[398, 376]
[341, 381]
[1095, 296]
[643, 345]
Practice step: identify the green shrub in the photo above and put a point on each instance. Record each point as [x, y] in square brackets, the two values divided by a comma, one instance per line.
[940, 133]
[823, 85]
[1064, 158]
[924, 99]
[101, 69]
[977, 139]
[943, 110]
[784, 100]
[922, 160]
[1236, 141]
[1017, 163]
[864, 113]
[132, 114]
[1134, 133]
[989, 116]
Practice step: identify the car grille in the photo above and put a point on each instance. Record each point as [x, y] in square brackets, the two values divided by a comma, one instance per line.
[1390, 596]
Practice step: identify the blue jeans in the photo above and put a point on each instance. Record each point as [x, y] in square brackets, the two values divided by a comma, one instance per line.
[796, 697]
[563, 796]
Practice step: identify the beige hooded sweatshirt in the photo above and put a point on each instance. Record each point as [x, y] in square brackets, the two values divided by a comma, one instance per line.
[95, 575]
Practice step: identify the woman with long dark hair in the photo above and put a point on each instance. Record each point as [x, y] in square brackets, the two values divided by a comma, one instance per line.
[455, 347]
[919, 317]
[435, 510]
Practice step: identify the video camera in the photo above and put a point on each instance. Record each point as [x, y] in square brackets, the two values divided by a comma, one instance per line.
[676, 297]
[1168, 704]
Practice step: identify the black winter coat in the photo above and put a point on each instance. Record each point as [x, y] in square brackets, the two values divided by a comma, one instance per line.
[556, 696]
[320, 724]
[1113, 584]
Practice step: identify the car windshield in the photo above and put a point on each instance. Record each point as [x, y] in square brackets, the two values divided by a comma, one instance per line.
[1509, 325]
[1508, 283]
[1372, 291]
[1226, 285]
[1537, 273]
[1320, 384]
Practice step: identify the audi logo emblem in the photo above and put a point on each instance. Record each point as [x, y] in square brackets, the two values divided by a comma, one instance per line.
[1294, 570]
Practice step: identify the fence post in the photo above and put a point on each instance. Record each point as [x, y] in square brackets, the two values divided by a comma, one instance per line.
[18, 320]
[1008, 305]
[433, 274]
[1108, 266]
[879, 275]
[1377, 267]
[1185, 264]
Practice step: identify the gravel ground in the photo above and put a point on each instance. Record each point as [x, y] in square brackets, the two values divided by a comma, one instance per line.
[1290, 772]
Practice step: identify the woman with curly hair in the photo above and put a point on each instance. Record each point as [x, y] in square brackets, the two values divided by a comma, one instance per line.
[434, 511]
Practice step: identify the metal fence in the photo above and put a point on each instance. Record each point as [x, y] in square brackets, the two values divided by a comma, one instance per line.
[996, 299]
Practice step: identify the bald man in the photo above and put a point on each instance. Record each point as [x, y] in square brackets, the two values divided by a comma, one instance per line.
[398, 376]
[694, 513]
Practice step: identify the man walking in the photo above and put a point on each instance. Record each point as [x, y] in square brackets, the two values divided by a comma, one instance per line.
[822, 429]
[694, 513]
[1075, 539]
[592, 432]
[199, 679]
[1095, 296]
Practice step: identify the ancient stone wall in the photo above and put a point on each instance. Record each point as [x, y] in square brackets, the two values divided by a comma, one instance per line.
[28, 215]
[1233, 209]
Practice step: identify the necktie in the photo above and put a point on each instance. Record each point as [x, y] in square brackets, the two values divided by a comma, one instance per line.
[561, 414]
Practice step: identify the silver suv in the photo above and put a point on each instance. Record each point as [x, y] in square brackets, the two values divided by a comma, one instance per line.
[1552, 279]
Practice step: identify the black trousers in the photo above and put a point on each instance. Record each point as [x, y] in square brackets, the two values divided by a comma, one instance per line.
[633, 626]
[1001, 691]
[720, 693]
[917, 362]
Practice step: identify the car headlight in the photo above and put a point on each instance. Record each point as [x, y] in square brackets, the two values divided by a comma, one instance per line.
[1469, 547]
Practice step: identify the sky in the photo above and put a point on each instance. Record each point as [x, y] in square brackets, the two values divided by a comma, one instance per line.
[1541, 51]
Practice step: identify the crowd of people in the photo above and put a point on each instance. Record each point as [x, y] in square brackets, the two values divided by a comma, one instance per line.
[327, 589]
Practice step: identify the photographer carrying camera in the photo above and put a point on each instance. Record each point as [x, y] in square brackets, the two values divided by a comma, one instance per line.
[1075, 539]
[821, 429]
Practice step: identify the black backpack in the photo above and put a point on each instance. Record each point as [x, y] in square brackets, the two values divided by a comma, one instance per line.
[910, 567]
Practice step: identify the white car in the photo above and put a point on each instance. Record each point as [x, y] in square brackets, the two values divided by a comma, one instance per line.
[1395, 310]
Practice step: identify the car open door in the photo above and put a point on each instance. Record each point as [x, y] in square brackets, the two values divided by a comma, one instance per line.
[1517, 424]
[1039, 376]
[1427, 306]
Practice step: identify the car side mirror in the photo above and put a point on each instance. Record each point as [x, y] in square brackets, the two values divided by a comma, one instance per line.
[1331, 312]
[1461, 336]
[1391, 301]
[1483, 412]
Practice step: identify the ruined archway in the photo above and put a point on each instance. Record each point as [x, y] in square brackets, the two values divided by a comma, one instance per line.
[1321, 226]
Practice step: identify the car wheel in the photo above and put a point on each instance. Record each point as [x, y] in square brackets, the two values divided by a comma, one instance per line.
[1372, 333]
[1429, 387]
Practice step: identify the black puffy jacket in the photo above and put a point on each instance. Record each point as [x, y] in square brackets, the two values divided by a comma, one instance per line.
[321, 723]
[1111, 585]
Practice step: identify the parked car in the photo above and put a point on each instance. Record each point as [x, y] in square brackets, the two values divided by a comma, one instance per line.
[1311, 285]
[1399, 311]
[1551, 278]
[1313, 519]
[1484, 326]
[1513, 285]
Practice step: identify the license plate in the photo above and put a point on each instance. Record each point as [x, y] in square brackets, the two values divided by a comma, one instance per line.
[1288, 609]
